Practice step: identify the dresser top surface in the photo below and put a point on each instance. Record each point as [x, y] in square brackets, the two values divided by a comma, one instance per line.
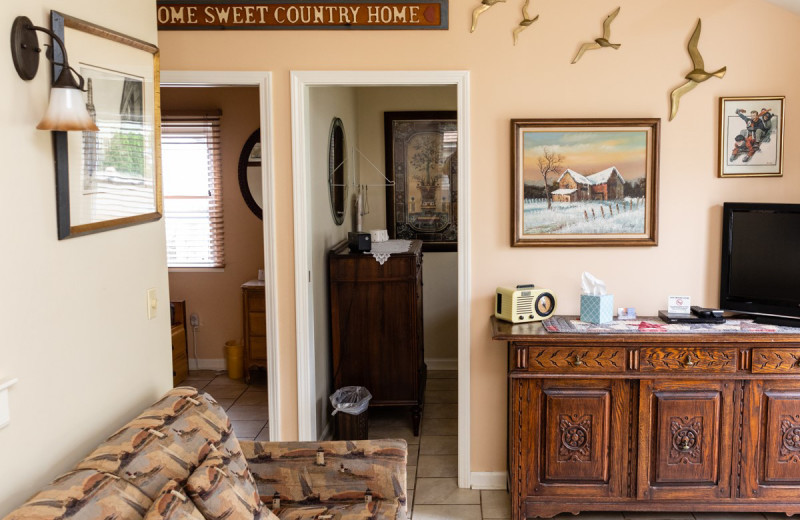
[342, 249]
[536, 333]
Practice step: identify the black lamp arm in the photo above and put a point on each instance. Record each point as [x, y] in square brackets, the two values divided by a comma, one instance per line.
[65, 79]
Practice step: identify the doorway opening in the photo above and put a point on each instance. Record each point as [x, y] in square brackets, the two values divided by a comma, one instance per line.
[215, 293]
[308, 88]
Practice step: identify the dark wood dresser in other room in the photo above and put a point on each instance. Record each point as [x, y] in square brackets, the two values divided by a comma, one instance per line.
[652, 421]
[254, 326]
[180, 357]
[376, 326]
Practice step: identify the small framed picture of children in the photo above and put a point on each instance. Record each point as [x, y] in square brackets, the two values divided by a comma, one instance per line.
[751, 136]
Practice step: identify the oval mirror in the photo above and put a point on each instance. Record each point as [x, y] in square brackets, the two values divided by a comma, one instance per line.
[250, 173]
[337, 166]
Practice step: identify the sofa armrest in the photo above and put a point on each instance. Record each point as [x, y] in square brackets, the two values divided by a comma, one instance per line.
[329, 471]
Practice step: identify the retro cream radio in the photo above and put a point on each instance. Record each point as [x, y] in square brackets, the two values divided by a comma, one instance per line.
[524, 303]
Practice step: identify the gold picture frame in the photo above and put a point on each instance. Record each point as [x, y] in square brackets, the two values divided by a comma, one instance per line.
[751, 136]
[112, 178]
[585, 182]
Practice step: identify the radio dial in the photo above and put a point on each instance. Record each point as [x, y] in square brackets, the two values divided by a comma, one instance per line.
[545, 304]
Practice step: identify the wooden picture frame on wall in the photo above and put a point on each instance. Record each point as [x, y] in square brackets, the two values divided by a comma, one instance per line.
[422, 169]
[585, 182]
[112, 178]
[751, 136]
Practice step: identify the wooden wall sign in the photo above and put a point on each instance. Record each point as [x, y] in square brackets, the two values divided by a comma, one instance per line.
[301, 14]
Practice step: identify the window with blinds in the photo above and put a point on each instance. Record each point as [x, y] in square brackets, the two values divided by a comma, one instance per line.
[192, 185]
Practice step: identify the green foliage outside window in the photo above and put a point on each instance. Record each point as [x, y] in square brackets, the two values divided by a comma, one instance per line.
[124, 154]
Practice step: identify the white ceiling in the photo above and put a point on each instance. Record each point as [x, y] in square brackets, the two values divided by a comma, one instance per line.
[792, 5]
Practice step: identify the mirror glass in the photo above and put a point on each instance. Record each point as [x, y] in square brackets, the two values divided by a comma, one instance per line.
[250, 173]
[337, 166]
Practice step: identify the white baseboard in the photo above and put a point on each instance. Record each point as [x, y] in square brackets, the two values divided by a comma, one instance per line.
[207, 364]
[489, 480]
[442, 363]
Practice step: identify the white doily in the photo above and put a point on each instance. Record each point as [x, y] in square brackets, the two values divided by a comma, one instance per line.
[381, 251]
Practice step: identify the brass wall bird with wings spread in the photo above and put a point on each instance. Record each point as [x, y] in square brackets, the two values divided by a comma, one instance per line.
[601, 42]
[526, 22]
[696, 76]
[485, 5]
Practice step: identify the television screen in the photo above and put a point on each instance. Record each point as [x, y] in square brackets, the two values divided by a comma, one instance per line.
[761, 259]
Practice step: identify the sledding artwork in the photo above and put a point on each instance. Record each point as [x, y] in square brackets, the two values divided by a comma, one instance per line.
[751, 136]
[585, 182]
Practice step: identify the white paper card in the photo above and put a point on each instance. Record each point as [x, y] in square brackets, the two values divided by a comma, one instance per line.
[679, 305]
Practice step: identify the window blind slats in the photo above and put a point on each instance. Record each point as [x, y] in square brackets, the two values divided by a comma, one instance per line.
[192, 175]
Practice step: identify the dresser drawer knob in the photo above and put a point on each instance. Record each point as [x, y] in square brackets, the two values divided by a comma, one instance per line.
[578, 361]
[689, 360]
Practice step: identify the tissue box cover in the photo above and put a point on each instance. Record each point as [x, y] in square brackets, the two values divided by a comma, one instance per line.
[597, 309]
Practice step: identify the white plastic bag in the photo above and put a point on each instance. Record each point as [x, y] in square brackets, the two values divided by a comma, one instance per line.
[350, 399]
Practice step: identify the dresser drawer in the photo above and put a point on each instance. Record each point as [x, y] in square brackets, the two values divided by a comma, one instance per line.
[569, 359]
[776, 361]
[255, 300]
[687, 359]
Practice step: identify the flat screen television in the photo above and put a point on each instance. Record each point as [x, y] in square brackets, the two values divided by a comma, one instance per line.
[760, 272]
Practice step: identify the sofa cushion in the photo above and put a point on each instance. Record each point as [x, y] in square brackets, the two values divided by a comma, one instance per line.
[165, 442]
[173, 504]
[308, 473]
[224, 488]
[85, 495]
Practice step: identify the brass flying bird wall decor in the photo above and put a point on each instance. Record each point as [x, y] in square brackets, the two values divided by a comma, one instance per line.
[526, 21]
[485, 6]
[601, 42]
[696, 76]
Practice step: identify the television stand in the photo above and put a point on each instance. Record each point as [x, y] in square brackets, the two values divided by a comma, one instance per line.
[652, 422]
[776, 320]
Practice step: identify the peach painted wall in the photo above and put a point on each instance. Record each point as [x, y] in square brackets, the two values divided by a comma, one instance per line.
[535, 79]
[216, 295]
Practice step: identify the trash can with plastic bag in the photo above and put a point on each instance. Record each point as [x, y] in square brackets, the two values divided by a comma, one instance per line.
[353, 402]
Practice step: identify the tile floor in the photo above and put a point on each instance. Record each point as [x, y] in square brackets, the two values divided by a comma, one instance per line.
[245, 404]
[432, 456]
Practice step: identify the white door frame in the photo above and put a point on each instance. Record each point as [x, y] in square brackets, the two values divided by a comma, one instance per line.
[306, 391]
[263, 80]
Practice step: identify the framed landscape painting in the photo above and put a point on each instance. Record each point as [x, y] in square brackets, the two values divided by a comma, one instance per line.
[751, 136]
[585, 182]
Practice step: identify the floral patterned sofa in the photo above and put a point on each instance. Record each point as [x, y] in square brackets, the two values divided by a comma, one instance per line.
[180, 460]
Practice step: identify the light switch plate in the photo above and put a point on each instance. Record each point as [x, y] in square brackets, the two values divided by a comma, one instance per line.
[152, 303]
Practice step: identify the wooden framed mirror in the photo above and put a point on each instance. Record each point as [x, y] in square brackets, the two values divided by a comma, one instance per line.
[250, 174]
[337, 166]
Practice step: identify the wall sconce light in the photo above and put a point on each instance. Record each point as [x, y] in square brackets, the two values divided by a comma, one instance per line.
[67, 110]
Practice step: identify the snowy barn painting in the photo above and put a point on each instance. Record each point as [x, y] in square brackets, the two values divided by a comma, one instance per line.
[585, 182]
[605, 185]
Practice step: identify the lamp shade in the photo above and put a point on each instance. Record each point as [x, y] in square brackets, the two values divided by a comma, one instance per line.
[67, 111]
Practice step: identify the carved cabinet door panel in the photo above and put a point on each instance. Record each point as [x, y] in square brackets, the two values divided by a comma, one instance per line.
[685, 439]
[575, 439]
[771, 440]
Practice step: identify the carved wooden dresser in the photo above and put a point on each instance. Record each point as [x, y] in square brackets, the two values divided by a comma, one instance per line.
[652, 422]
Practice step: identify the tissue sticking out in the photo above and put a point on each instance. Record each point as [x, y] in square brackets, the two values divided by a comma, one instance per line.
[592, 285]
